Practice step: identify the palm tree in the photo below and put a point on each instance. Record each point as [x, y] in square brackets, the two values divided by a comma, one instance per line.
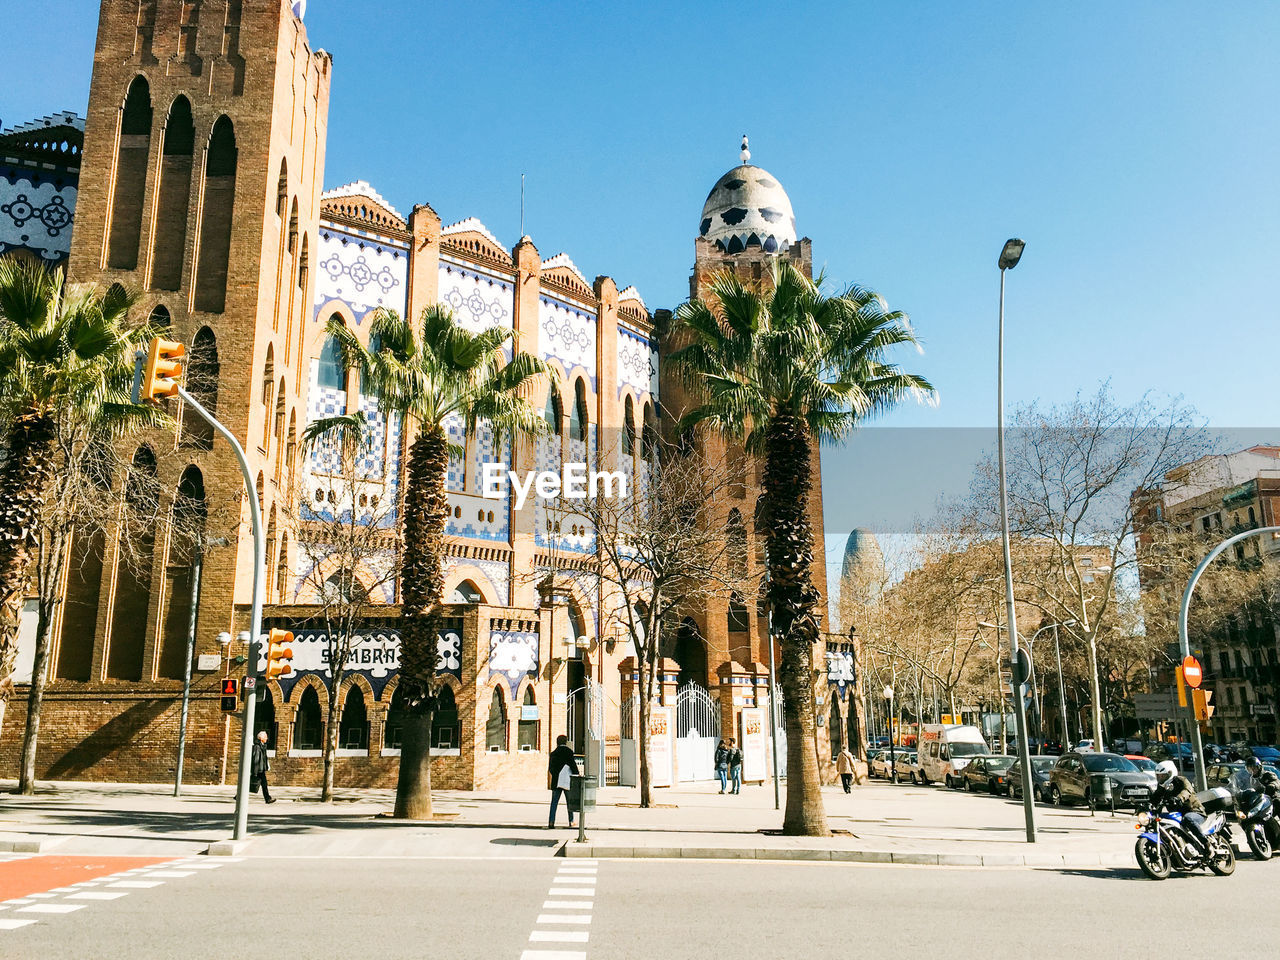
[787, 368]
[430, 376]
[66, 361]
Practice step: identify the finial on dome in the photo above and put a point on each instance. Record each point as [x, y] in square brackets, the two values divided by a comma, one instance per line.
[746, 154]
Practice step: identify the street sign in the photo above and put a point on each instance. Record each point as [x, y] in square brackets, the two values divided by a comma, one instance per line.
[1156, 706]
[250, 683]
[1191, 671]
[1022, 666]
[207, 662]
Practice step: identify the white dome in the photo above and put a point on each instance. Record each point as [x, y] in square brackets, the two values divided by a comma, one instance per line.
[747, 207]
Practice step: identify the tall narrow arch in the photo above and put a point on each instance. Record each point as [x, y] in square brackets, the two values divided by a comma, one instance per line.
[736, 540]
[580, 417]
[281, 408]
[187, 524]
[629, 427]
[129, 188]
[649, 439]
[835, 728]
[445, 728]
[129, 615]
[282, 585]
[159, 318]
[74, 655]
[291, 455]
[308, 724]
[553, 413]
[495, 728]
[217, 208]
[173, 197]
[282, 189]
[527, 731]
[353, 725]
[203, 371]
[268, 387]
[330, 372]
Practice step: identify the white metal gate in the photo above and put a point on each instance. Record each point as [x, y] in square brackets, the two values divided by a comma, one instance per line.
[629, 743]
[697, 733]
[780, 715]
[584, 720]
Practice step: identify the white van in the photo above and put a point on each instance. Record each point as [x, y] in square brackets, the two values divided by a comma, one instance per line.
[945, 749]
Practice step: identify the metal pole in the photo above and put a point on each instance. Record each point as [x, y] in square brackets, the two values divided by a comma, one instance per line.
[773, 717]
[255, 617]
[1184, 642]
[1020, 711]
[1062, 691]
[1035, 692]
[197, 564]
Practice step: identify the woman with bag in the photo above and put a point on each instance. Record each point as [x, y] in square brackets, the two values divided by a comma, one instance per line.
[560, 767]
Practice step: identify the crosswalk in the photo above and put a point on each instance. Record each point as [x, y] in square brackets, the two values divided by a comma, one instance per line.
[559, 931]
[57, 901]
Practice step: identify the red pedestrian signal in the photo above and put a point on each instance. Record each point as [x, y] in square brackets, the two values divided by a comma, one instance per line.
[230, 694]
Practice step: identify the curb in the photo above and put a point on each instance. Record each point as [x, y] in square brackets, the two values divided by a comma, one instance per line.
[30, 843]
[1034, 860]
[227, 848]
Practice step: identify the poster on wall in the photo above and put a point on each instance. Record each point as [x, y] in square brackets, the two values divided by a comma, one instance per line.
[661, 752]
[754, 744]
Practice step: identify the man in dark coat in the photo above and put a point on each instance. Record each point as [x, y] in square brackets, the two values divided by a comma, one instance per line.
[560, 766]
[258, 767]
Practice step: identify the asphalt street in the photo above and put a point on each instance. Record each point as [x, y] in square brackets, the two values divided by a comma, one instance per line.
[558, 909]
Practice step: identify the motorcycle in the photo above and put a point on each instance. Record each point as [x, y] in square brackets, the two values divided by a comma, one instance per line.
[1257, 816]
[1165, 845]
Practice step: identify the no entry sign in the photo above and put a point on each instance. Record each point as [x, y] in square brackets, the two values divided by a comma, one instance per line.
[1191, 671]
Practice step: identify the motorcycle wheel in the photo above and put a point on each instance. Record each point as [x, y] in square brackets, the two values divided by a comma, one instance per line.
[1259, 845]
[1223, 854]
[1153, 858]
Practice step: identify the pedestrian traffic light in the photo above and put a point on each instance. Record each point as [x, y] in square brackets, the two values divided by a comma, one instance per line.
[163, 370]
[279, 654]
[230, 694]
[1202, 700]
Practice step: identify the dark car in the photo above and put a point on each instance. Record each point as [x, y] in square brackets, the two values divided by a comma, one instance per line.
[1233, 775]
[986, 773]
[1179, 753]
[1072, 779]
[1040, 767]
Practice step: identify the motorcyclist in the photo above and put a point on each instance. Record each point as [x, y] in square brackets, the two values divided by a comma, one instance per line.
[1174, 793]
[1263, 778]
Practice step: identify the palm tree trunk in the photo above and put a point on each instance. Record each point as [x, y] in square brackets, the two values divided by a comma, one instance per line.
[35, 700]
[24, 476]
[426, 511]
[793, 600]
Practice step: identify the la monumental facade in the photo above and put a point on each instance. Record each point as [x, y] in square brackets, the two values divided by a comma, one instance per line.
[197, 180]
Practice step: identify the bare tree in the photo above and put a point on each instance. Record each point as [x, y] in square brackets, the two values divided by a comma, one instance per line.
[663, 548]
[346, 541]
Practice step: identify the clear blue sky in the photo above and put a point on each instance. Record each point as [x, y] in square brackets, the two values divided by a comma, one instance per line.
[1134, 146]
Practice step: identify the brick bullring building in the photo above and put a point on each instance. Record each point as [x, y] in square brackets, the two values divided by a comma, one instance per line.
[199, 172]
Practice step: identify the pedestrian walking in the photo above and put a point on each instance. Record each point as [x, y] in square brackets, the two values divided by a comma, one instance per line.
[258, 767]
[722, 765]
[844, 767]
[560, 766]
[735, 767]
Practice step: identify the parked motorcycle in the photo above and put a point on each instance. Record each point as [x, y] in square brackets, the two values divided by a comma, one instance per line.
[1165, 845]
[1257, 816]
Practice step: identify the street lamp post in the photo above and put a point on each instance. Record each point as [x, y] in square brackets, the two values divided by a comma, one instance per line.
[888, 712]
[1062, 691]
[1009, 258]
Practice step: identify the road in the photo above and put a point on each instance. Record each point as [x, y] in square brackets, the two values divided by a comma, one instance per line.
[557, 909]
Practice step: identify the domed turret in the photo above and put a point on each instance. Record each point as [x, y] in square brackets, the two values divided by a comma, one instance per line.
[748, 207]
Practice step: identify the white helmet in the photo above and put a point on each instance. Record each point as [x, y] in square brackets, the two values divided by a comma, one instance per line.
[1165, 770]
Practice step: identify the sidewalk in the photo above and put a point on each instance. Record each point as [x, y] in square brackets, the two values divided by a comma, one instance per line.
[878, 823]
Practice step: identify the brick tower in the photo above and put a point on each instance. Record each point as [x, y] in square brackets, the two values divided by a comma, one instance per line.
[200, 189]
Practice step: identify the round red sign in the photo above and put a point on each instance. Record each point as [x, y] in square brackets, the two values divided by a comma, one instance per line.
[1191, 671]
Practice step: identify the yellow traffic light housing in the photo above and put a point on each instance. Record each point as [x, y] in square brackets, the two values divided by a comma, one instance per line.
[1202, 700]
[279, 654]
[163, 370]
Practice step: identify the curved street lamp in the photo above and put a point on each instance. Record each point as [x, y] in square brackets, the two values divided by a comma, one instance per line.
[1184, 642]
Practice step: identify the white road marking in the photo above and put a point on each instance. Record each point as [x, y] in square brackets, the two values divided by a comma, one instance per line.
[559, 879]
[170, 873]
[558, 936]
[567, 904]
[97, 895]
[9, 923]
[137, 884]
[563, 918]
[571, 892]
[554, 955]
[51, 908]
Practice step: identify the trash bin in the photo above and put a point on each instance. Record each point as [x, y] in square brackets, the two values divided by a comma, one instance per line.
[582, 792]
[1100, 794]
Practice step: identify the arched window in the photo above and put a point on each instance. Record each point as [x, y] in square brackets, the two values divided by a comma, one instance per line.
[444, 721]
[466, 592]
[279, 424]
[282, 570]
[203, 371]
[554, 411]
[495, 729]
[649, 439]
[527, 732]
[291, 453]
[691, 653]
[835, 729]
[269, 560]
[736, 536]
[268, 386]
[282, 189]
[1253, 518]
[160, 320]
[331, 374]
[133, 569]
[304, 265]
[260, 488]
[217, 205]
[629, 427]
[264, 718]
[579, 418]
[738, 620]
[73, 659]
[131, 177]
[343, 586]
[186, 531]
[169, 242]
[393, 729]
[307, 725]
[353, 728]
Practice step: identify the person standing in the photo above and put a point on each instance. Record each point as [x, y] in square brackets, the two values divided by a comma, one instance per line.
[722, 765]
[258, 767]
[735, 767]
[844, 767]
[560, 767]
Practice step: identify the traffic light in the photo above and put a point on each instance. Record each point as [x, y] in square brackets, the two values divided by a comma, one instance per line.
[163, 369]
[230, 694]
[279, 654]
[1202, 700]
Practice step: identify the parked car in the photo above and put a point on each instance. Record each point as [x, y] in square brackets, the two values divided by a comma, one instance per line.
[1126, 745]
[945, 751]
[1072, 779]
[1145, 764]
[1179, 753]
[986, 773]
[884, 764]
[1040, 767]
[1083, 745]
